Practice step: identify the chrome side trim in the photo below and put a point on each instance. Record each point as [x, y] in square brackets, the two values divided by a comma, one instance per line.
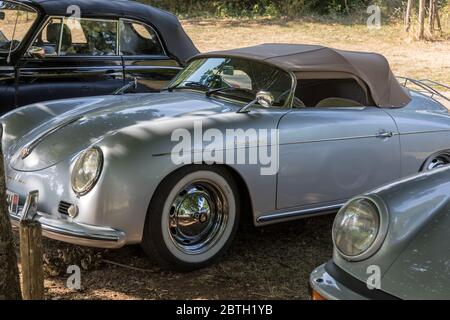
[299, 213]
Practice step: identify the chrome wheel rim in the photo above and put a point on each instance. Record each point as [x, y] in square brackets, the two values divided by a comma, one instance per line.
[198, 217]
[438, 162]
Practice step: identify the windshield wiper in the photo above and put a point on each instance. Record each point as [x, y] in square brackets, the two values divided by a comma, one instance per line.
[209, 93]
[189, 85]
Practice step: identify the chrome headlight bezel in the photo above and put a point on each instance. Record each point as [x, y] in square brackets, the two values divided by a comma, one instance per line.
[383, 226]
[81, 161]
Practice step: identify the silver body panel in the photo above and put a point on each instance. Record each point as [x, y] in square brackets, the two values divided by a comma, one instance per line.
[414, 257]
[326, 156]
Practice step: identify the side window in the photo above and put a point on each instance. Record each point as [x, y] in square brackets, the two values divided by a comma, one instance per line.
[138, 39]
[86, 37]
[323, 93]
[47, 42]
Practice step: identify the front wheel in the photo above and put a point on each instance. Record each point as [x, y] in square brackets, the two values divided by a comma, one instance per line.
[192, 218]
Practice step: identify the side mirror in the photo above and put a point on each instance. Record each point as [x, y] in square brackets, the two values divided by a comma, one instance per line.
[264, 98]
[2, 16]
[36, 52]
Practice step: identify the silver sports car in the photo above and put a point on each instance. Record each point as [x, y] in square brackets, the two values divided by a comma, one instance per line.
[276, 131]
[391, 243]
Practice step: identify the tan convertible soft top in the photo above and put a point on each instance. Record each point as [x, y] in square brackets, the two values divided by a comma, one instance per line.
[373, 69]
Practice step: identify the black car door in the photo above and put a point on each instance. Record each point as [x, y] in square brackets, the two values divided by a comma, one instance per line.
[7, 87]
[144, 56]
[71, 58]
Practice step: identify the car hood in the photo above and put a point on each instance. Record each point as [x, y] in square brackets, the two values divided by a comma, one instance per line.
[94, 118]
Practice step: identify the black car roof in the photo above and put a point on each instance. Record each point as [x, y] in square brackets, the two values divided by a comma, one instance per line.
[372, 68]
[176, 40]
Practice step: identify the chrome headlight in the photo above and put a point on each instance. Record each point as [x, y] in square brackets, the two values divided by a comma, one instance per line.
[86, 171]
[359, 229]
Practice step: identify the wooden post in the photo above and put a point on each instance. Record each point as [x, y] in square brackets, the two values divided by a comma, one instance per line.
[409, 7]
[31, 258]
[421, 19]
[31, 250]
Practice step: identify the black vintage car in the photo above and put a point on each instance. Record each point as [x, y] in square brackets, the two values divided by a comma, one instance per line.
[51, 49]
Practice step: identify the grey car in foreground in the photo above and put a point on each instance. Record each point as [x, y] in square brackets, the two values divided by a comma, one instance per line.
[398, 233]
[108, 171]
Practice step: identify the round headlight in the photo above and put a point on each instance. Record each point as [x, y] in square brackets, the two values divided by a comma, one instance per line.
[356, 228]
[86, 171]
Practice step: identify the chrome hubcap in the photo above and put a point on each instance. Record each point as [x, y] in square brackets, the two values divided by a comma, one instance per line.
[438, 162]
[198, 217]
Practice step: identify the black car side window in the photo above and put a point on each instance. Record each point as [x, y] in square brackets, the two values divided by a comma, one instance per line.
[138, 39]
[89, 37]
[47, 41]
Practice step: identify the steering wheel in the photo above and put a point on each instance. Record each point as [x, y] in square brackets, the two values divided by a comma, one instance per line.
[296, 103]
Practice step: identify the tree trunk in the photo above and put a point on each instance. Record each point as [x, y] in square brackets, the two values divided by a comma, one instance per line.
[409, 7]
[432, 15]
[438, 20]
[9, 273]
[421, 19]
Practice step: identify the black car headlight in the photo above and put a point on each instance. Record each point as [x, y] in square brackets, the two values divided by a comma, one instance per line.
[360, 228]
[87, 170]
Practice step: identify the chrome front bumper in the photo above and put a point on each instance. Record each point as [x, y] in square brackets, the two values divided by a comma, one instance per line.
[66, 230]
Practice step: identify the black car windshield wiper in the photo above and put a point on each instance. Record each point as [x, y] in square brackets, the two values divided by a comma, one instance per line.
[209, 93]
[189, 85]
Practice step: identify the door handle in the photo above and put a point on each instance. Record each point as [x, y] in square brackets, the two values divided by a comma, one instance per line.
[385, 134]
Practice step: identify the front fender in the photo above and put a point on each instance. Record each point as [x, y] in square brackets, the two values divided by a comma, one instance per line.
[417, 206]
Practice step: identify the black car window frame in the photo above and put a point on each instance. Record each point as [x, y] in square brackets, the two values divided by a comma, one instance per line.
[161, 44]
[64, 19]
[118, 52]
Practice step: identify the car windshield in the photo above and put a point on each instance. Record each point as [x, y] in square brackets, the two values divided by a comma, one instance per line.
[240, 79]
[15, 23]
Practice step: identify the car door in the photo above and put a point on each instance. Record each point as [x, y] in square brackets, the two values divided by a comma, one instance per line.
[7, 88]
[144, 56]
[328, 155]
[71, 58]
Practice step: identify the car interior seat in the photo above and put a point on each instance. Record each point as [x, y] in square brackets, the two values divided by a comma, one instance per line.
[53, 35]
[338, 103]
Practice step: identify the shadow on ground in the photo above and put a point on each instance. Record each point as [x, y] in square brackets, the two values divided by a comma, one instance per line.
[266, 263]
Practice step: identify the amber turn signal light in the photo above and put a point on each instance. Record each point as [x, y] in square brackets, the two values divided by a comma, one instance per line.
[316, 296]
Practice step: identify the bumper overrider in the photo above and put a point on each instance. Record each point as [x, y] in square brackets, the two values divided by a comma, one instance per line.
[66, 230]
[329, 282]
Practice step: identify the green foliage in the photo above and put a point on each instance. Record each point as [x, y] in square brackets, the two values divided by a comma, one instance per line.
[274, 8]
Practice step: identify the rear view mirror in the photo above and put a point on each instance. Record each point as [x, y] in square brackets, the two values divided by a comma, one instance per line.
[228, 70]
[2, 16]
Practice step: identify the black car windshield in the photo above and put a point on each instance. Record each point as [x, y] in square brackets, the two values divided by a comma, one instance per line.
[245, 77]
[15, 23]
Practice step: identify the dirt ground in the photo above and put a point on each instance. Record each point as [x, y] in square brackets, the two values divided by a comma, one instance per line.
[269, 263]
